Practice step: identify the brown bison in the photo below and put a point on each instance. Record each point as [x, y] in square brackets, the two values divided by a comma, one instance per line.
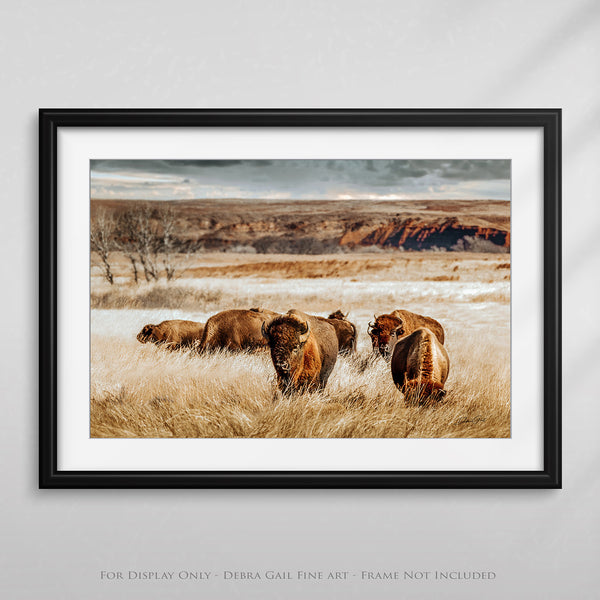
[236, 329]
[420, 366]
[338, 314]
[404, 323]
[344, 329]
[303, 349]
[174, 335]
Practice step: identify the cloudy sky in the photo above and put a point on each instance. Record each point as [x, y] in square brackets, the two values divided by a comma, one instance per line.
[301, 179]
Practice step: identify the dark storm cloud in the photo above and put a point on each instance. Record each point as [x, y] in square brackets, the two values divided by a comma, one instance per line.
[476, 170]
[169, 167]
[406, 168]
[164, 179]
[392, 172]
[465, 170]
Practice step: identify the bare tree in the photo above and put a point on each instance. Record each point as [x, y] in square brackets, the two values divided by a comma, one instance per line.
[146, 236]
[126, 240]
[138, 239]
[167, 222]
[102, 230]
[147, 242]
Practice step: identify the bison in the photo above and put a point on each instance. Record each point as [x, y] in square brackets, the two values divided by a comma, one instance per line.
[404, 323]
[174, 334]
[236, 329]
[338, 314]
[345, 331]
[303, 349]
[420, 366]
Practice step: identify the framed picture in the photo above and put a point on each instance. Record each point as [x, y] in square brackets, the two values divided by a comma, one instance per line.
[300, 298]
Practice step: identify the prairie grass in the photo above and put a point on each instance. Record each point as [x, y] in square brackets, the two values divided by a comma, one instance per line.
[154, 296]
[180, 394]
[214, 294]
[140, 390]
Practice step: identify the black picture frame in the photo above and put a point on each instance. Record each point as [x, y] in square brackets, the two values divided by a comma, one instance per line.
[51, 120]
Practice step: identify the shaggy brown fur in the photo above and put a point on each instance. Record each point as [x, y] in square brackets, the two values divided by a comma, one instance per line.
[338, 314]
[420, 366]
[303, 349]
[404, 323]
[237, 329]
[174, 334]
[344, 330]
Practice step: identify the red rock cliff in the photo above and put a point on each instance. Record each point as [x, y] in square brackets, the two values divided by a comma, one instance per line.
[413, 234]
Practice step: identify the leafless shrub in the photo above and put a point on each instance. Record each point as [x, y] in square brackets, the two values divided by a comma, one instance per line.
[136, 238]
[126, 240]
[147, 236]
[146, 241]
[167, 222]
[101, 239]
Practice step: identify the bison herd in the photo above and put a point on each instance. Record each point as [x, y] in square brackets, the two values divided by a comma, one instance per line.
[304, 348]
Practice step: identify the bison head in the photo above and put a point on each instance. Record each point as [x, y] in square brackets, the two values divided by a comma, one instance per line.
[146, 334]
[287, 336]
[384, 332]
[338, 314]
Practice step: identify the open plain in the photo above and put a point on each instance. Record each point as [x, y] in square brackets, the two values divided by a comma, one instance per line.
[140, 390]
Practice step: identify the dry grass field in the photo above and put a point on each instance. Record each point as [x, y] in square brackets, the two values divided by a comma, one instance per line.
[144, 391]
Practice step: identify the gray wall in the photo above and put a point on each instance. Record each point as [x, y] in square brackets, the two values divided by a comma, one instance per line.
[303, 54]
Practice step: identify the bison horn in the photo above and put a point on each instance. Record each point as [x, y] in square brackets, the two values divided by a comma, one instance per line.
[304, 333]
[263, 330]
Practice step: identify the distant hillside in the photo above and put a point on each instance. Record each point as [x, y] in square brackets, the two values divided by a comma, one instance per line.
[320, 227]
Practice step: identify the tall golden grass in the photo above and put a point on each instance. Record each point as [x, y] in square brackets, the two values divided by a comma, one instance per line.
[144, 391]
[180, 394]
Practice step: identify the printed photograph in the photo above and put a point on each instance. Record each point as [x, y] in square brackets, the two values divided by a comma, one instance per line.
[300, 298]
